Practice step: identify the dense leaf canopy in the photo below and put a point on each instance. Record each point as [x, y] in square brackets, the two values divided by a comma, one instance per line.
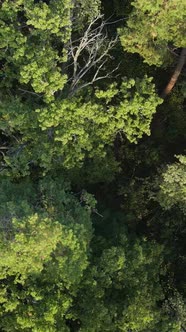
[92, 166]
[152, 27]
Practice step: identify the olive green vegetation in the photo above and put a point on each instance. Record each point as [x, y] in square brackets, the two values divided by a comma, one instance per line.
[92, 166]
[153, 26]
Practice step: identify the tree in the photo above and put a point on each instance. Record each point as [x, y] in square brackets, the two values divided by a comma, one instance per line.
[176, 74]
[68, 263]
[90, 53]
[28, 31]
[35, 38]
[56, 276]
[44, 241]
[175, 305]
[55, 113]
[121, 287]
[68, 130]
[173, 186]
[153, 28]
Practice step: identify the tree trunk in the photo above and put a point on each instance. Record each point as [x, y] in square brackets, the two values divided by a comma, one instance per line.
[175, 75]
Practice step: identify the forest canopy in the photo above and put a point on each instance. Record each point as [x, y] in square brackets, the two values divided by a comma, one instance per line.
[92, 166]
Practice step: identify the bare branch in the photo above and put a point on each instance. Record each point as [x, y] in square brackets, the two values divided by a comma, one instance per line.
[89, 54]
[30, 92]
[95, 79]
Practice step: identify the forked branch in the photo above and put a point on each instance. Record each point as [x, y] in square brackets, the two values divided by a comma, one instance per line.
[89, 54]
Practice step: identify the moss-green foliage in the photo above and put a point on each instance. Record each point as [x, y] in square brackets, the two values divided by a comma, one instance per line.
[28, 32]
[107, 252]
[123, 286]
[153, 26]
[173, 185]
[33, 42]
[52, 275]
[176, 305]
[85, 10]
[68, 130]
[44, 242]
[51, 129]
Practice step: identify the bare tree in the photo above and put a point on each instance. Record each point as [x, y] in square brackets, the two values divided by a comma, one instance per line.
[89, 54]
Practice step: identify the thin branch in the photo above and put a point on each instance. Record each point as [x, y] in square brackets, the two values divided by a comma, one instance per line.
[89, 53]
[95, 79]
[30, 92]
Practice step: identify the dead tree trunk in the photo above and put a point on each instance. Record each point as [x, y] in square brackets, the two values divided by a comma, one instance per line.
[176, 74]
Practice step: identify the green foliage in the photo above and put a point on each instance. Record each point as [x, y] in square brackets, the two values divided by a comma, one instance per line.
[137, 108]
[33, 42]
[175, 305]
[173, 186]
[152, 27]
[85, 10]
[52, 274]
[176, 116]
[65, 264]
[28, 32]
[66, 131]
[123, 286]
[44, 244]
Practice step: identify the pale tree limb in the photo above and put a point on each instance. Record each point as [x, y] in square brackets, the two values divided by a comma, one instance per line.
[88, 54]
[176, 74]
[96, 78]
[30, 92]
